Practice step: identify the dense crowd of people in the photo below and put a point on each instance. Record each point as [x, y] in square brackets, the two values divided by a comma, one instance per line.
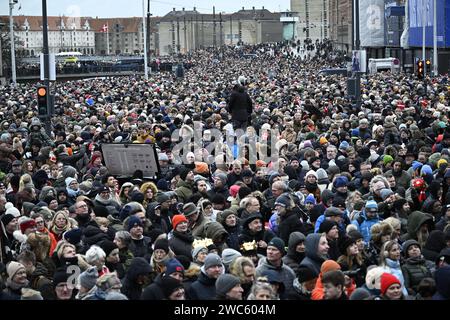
[353, 202]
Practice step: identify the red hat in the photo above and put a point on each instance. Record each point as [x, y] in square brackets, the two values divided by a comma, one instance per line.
[386, 281]
[234, 189]
[177, 219]
[27, 224]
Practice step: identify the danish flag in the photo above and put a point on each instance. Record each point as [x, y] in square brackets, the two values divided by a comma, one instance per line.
[104, 28]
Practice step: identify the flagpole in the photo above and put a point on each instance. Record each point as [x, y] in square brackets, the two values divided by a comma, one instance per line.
[145, 40]
[107, 39]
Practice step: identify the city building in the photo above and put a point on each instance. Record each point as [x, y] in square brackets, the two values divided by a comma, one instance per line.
[313, 19]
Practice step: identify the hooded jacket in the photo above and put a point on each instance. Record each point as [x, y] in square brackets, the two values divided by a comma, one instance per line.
[312, 260]
[240, 104]
[293, 258]
[415, 220]
[154, 291]
[290, 222]
[130, 287]
[435, 243]
[365, 224]
[181, 243]
[442, 278]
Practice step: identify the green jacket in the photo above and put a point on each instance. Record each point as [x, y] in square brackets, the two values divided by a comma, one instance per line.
[184, 190]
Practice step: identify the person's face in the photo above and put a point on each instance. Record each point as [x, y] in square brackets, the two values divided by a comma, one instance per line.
[230, 220]
[201, 186]
[295, 164]
[60, 221]
[237, 170]
[331, 292]
[20, 277]
[105, 195]
[311, 179]
[360, 244]
[437, 207]
[249, 274]
[414, 251]
[273, 254]
[394, 253]
[365, 168]
[397, 167]
[202, 255]
[406, 207]
[255, 225]
[235, 293]
[331, 153]
[253, 206]
[40, 224]
[178, 294]
[247, 180]
[12, 225]
[323, 246]
[300, 247]
[136, 231]
[97, 162]
[182, 227]
[391, 182]
[394, 292]
[69, 252]
[371, 214]
[218, 183]
[214, 272]
[119, 243]
[276, 191]
[190, 176]
[422, 158]
[63, 292]
[81, 208]
[29, 166]
[263, 294]
[111, 181]
[159, 254]
[333, 233]
[73, 185]
[353, 250]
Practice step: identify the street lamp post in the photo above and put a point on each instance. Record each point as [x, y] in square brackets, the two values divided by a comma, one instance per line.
[11, 32]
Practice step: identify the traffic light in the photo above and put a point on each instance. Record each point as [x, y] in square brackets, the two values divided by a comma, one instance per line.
[42, 101]
[420, 70]
[428, 65]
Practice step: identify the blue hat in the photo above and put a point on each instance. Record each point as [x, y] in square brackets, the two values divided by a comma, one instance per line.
[416, 165]
[310, 199]
[371, 205]
[283, 200]
[426, 169]
[173, 265]
[344, 145]
[385, 193]
[278, 243]
[341, 181]
[133, 222]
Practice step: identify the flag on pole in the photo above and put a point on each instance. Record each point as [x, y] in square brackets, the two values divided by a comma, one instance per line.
[104, 28]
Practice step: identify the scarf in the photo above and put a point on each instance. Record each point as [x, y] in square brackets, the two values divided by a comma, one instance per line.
[73, 193]
[311, 187]
[15, 286]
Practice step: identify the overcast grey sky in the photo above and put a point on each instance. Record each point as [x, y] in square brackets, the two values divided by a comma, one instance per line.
[129, 8]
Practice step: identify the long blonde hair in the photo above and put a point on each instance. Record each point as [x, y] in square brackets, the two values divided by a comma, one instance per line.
[25, 181]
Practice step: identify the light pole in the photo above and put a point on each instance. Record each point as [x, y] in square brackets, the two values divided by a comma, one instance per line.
[11, 36]
[435, 54]
[145, 40]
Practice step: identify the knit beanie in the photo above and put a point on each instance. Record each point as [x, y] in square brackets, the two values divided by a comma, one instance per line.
[310, 199]
[326, 226]
[12, 269]
[133, 222]
[355, 234]
[60, 276]
[212, 260]
[283, 200]
[387, 159]
[279, 244]
[169, 285]
[88, 278]
[386, 281]
[234, 189]
[177, 219]
[225, 283]
[341, 181]
[6, 219]
[359, 294]
[26, 224]
[73, 236]
[329, 265]
[197, 250]
[13, 211]
[162, 244]
[228, 255]
[173, 265]
[385, 193]
[344, 243]
[371, 205]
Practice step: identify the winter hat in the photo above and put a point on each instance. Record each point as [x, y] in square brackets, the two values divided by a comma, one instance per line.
[385, 193]
[101, 211]
[212, 260]
[61, 275]
[234, 189]
[197, 250]
[169, 285]
[27, 223]
[73, 236]
[416, 165]
[225, 283]
[332, 212]
[344, 243]
[279, 244]
[310, 199]
[108, 246]
[371, 205]
[162, 244]
[189, 209]
[326, 226]
[441, 162]
[12, 269]
[329, 265]
[387, 159]
[359, 294]
[88, 278]
[133, 222]
[162, 197]
[69, 180]
[323, 140]
[13, 211]
[228, 255]
[244, 191]
[341, 181]
[322, 176]
[284, 200]
[30, 294]
[108, 281]
[305, 275]
[409, 243]
[355, 234]
[137, 196]
[221, 176]
[344, 145]
[6, 219]
[177, 219]
[388, 280]
[311, 172]
[184, 172]
[247, 173]
[426, 169]
[172, 266]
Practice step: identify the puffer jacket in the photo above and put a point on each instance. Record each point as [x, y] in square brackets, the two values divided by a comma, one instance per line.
[365, 224]
[181, 243]
[414, 270]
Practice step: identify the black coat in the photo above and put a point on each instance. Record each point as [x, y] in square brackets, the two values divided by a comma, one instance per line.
[181, 244]
[203, 289]
[141, 248]
[288, 224]
[154, 291]
[240, 104]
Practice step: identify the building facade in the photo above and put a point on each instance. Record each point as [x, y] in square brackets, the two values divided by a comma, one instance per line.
[340, 20]
[313, 21]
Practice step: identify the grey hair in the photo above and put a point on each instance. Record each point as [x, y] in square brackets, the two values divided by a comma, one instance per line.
[123, 235]
[94, 253]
